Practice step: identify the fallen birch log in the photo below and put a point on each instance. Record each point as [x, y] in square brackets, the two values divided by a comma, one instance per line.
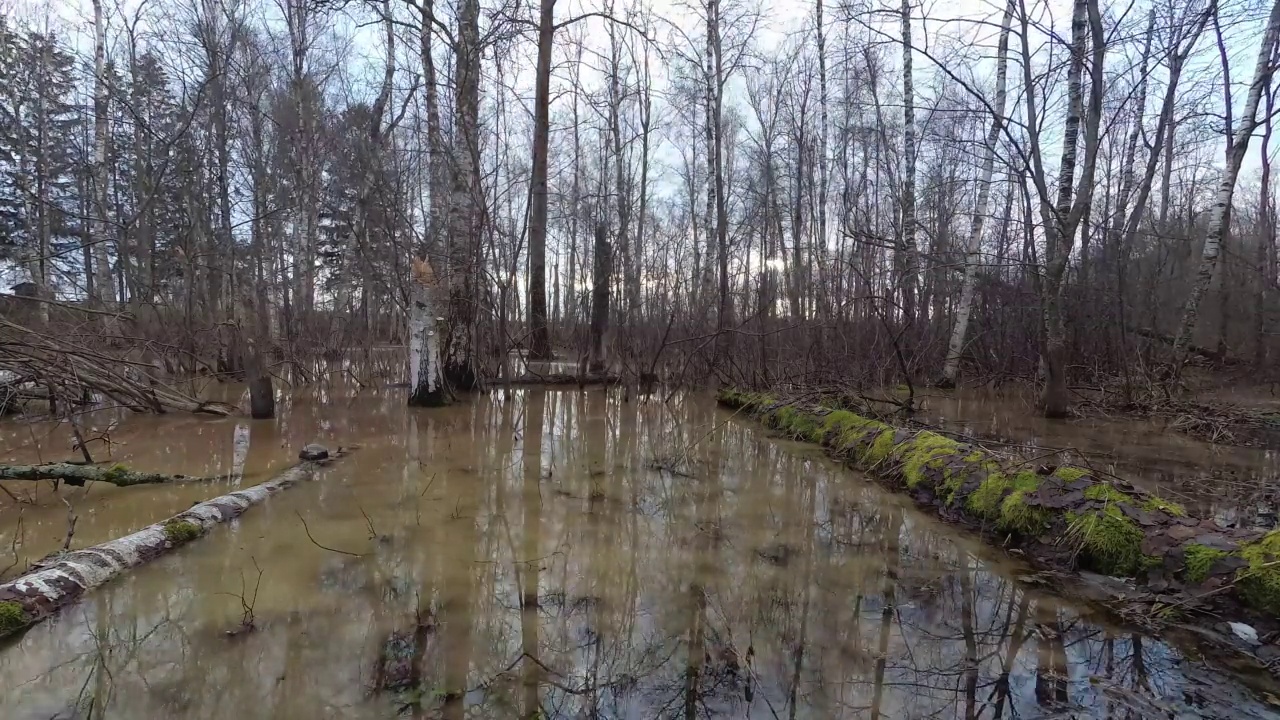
[1064, 518]
[77, 475]
[36, 595]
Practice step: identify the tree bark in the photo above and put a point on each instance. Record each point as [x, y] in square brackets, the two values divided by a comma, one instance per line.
[1218, 213]
[460, 367]
[909, 262]
[38, 594]
[426, 367]
[600, 298]
[539, 333]
[951, 367]
[77, 475]
[102, 263]
[1062, 219]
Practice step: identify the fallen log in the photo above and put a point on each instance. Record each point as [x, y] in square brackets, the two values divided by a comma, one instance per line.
[77, 475]
[1216, 356]
[36, 595]
[559, 379]
[1063, 519]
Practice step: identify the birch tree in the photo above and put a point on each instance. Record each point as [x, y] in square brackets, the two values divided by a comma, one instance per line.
[909, 260]
[955, 348]
[1221, 208]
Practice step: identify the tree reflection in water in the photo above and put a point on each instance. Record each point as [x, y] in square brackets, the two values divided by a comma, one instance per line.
[569, 554]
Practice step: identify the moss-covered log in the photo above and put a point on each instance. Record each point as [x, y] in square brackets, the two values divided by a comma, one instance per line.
[77, 475]
[38, 594]
[1067, 518]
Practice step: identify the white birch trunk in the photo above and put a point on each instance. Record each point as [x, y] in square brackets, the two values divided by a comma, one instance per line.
[1219, 211]
[951, 368]
[38, 594]
[426, 369]
[910, 256]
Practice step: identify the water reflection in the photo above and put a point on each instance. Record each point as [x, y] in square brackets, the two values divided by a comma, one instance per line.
[1235, 484]
[567, 554]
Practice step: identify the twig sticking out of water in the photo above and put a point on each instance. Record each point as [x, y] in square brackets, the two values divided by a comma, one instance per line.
[247, 603]
[307, 530]
[71, 523]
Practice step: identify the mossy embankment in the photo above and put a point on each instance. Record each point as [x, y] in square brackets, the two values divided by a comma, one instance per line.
[1063, 517]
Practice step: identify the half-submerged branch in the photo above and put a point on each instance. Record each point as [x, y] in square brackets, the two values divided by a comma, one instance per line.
[77, 475]
[38, 594]
[1065, 519]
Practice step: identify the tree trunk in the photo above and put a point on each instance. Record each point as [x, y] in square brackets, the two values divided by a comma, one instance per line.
[539, 334]
[1218, 213]
[951, 368]
[102, 264]
[600, 298]
[1266, 238]
[38, 594]
[426, 376]
[909, 256]
[1062, 220]
[460, 366]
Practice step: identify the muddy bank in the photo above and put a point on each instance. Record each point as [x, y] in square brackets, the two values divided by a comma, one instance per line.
[1063, 518]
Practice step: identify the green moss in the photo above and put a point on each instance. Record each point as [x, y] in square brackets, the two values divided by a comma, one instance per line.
[880, 449]
[12, 617]
[180, 531]
[840, 424]
[1200, 560]
[1017, 516]
[1068, 473]
[921, 451]
[1106, 492]
[975, 457]
[116, 472]
[753, 402]
[1110, 542]
[799, 424]
[1153, 503]
[1001, 498]
[985, 500]
[1260, 581]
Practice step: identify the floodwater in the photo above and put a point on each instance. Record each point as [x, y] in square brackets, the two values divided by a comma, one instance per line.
[1236, 484]
[555, 554]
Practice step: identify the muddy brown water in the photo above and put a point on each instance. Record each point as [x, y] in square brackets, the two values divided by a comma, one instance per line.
[1235, 484]
[569, 554]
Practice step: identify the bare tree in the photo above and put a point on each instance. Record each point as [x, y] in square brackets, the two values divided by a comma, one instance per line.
[1237, 146]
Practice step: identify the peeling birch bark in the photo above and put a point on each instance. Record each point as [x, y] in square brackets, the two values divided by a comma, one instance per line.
[37, 595]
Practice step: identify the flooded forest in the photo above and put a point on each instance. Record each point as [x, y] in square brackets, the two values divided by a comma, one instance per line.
[639, 359]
